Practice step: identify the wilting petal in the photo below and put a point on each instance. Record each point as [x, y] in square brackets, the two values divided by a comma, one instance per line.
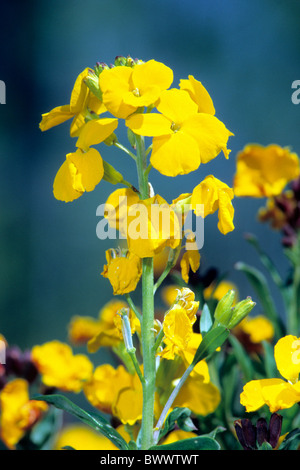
[63, 185]
[89, 166]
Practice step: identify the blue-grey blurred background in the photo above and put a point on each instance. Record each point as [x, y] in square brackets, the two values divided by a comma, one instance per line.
[247, 55]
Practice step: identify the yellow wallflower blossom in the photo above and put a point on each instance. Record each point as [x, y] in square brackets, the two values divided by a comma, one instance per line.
[82, 329]
[110, 328]
[212, 195]
[18, 412]
[123, 270]
[124, 89]
[117, 206]
[258, 328]
[60, 368]
[182, 137]
[264, 171]
[103, 389]
[177, 324]
[81, 102]
[277, 393]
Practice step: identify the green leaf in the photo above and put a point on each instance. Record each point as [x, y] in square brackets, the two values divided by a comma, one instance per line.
[205, 320]
[194, 443]
[96, 421]
[242, 358]
[260, 285]
[291, 441]
[182, 417]
[211, 341]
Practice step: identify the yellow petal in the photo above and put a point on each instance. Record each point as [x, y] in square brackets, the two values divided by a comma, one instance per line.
[89, 166]
[63, 185]
[149, 125]
[55, 117]
[252, 396]
[177, 154]
[96, 131]
[200, 397]
[114, 83]
[152, 73]
[287, 357]
[176, 105]
[206, 193]
[189, 260]
[198, 94]
[79, 93]
[210, 134]
[225, 214]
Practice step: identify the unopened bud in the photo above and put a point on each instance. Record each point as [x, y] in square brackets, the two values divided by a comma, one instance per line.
[120, 60]
[240, 311]
[223, 311]
[92, 82]
[111, 139]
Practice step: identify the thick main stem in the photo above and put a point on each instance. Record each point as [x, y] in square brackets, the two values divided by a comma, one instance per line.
[147, 332]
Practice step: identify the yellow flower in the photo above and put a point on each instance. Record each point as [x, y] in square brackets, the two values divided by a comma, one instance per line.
[258, 328]
[81, 437]
[124, 89]
[212, 195]
[105, 384]
[182, 137]
[18, 412]
[177, 324]
[83, 329]
[123, 271]
[276, 393]
[264, 171]
[81, 103]
[60, 368]
[117, 392]
[152, 226]
[110, 330]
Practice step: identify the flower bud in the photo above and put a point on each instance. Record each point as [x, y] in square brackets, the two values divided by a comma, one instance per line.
[240, 311]
[111, 175]
[223, 311]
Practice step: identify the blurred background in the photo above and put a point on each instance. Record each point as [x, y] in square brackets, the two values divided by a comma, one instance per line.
[247, 56]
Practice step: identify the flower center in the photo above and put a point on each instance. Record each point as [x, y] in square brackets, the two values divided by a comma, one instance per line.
[175, 127]
[136, 92]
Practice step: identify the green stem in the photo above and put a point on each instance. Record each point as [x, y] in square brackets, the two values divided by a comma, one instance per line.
[170, 401]
[148, 341]
[133, 307]
[126, 150]
[147, 330]
[172, 260]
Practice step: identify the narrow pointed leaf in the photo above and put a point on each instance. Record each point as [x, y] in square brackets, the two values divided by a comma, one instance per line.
[211, 341]
[96, 421]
